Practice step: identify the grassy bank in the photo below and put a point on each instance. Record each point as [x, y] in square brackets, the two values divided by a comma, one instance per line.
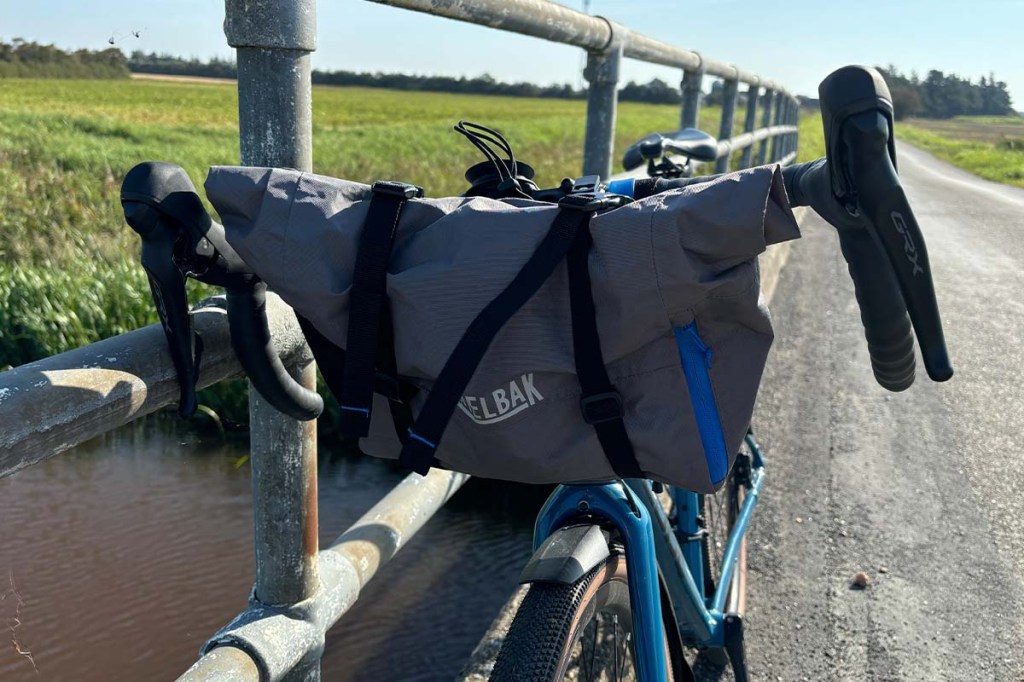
[990, 147]
[812, 137]
[68, 268]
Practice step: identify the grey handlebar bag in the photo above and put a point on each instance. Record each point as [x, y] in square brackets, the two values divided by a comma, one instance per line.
[636, 348]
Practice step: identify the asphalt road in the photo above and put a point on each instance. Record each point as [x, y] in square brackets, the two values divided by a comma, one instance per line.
[920, 490]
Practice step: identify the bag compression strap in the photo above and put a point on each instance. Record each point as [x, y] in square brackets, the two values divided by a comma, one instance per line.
[367, 308]
[330, 360]
[572, 220]
[601, 404]
[418, 451]
[398, 392]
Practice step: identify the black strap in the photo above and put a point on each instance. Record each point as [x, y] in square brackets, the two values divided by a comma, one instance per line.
[330, 360]
[645, 187]
[600, 403]
[367, 304]
[399, 393]
[418, 451]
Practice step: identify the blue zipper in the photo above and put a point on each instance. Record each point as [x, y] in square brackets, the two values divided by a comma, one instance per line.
[696, 359]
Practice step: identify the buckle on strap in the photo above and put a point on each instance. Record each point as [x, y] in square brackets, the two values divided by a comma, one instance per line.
[402, 190]
[602, 407]
[592, 203]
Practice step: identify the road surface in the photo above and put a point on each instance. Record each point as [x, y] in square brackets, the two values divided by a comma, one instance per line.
[920, 490]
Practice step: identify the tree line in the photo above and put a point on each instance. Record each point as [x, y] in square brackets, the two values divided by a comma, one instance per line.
[939, 95]
[169, 65]
[24, 59]
[479, 85]
[656, 91]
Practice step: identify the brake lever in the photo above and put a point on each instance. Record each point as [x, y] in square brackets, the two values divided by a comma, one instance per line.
[856, 110]
[167, 284]
[180, 240]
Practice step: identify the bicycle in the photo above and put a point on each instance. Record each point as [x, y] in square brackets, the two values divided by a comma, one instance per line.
[638, 578]
[617, 568]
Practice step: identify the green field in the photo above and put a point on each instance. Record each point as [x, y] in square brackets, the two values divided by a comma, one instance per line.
[64, 145]
[68, 271]
[989, 146]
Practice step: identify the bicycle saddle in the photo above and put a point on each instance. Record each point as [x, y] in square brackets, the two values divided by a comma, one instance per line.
[689, 142]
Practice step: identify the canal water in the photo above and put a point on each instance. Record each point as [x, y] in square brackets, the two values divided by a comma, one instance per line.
[119, 558]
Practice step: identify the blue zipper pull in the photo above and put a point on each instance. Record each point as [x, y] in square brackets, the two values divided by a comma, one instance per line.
[692, 328]
[624, 187]
[696, 360]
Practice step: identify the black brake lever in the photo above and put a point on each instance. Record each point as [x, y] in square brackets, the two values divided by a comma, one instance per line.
[167, 284]
[179, 240]
[856, 110]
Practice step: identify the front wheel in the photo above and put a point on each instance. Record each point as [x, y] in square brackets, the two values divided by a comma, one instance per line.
[580, 631]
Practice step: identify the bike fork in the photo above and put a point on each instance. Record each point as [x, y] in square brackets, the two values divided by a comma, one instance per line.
[616, 504]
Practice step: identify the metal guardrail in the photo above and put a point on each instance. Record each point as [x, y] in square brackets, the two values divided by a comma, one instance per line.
[51, 405]
[301, 590]
[606, 44]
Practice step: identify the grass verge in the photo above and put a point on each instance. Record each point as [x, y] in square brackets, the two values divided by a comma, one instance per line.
[989, 147]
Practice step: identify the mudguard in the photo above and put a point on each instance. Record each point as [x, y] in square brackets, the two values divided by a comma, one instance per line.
[567, 555]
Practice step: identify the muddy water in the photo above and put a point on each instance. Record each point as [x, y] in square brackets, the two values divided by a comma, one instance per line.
[119, 558]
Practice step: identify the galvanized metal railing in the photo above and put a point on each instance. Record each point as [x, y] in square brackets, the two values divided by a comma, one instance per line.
[301, 590]
[606, 44]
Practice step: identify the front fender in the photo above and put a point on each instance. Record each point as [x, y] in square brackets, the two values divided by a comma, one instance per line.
[567, 555]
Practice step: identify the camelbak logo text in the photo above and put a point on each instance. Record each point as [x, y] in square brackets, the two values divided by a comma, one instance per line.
[908, 243]
[502, 403]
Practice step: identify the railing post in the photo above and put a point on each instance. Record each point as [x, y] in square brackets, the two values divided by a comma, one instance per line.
[783, 140]
[786, 118]
[730, 93]
[780, 119]
[790, 110]
[795, 137]
[602, 75]
[274, 40]
[766, 121]
[691, 86]
[749, 122]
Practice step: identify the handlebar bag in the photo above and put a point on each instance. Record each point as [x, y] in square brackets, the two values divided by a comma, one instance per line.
[683, 332]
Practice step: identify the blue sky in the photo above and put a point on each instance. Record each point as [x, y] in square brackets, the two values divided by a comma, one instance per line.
[796, 42]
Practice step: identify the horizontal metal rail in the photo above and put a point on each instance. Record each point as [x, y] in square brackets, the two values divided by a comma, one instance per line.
[554, 22]
[51, 405]
[607, 43]
[735, 144]
[278, 639]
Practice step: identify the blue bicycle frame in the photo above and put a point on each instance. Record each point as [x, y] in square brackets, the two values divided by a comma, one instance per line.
[660, 552]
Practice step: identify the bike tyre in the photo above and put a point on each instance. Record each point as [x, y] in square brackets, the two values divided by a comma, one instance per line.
[552, 618]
